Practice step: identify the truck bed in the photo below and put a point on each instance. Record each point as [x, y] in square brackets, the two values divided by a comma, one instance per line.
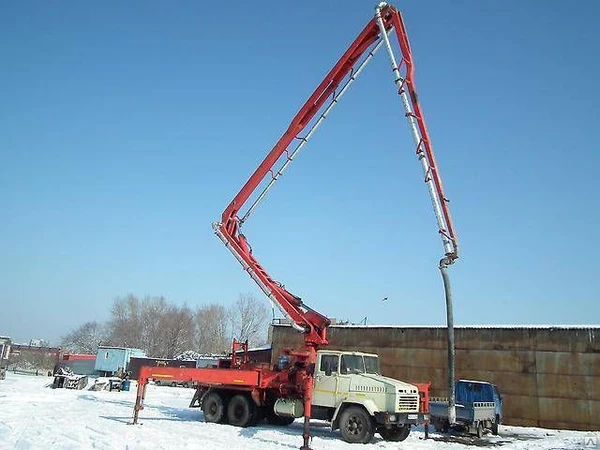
[465, 413]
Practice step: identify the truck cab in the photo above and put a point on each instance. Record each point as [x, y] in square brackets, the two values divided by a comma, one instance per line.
[472, 391]
[350, 392]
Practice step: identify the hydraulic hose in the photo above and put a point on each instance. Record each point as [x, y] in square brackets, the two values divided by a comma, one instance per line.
[444, 263]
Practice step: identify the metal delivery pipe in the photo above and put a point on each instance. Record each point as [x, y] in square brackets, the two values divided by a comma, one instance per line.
[451, 352]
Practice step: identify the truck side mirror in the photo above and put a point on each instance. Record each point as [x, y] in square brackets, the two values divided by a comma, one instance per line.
[328, 370]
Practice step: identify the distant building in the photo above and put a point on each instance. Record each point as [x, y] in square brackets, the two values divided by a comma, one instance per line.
[79, 363]
[261, 354]
[208, 361]
[110, 359]
[33, 357]
[4, 354]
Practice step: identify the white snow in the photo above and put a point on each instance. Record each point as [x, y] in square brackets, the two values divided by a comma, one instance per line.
[34, 416]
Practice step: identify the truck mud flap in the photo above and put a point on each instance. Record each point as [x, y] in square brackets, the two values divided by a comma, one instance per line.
[197, 398]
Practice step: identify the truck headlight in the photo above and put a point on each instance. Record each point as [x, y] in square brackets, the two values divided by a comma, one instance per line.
[392, 417]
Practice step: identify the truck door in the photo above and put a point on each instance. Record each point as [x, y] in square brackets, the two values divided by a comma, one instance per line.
[326, 380]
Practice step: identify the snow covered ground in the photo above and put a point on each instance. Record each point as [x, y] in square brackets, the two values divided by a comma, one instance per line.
[34, 416]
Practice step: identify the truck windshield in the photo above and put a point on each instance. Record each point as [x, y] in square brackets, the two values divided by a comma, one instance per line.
[358, 364]
[372, 364]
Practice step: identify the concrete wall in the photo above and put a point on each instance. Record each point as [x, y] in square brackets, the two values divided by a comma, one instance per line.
[550, 377]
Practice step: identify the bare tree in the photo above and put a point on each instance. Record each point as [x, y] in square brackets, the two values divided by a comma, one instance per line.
[164, 330]
[125, 325]
[138, 323]
[178, 331]
[212, 331]
[249, 320]
[152, 313]
[84, 339]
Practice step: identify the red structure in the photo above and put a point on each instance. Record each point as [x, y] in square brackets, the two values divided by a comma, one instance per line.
[79, 363]
[78, 357]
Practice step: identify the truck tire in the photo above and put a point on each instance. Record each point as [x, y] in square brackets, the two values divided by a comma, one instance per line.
[173, 384]
[213, 407]
[356, 425]
[241, 410]
[395, 434]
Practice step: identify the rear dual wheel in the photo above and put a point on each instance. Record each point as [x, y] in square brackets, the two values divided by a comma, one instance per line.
[241, 410]
[213, 407]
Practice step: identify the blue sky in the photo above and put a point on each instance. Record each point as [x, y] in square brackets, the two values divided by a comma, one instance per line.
[126, 128]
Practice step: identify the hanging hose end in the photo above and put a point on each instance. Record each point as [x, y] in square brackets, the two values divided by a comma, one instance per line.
[452, 414]
[447, 260]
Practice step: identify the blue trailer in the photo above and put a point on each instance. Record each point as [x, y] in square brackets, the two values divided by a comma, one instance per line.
[111, 360]
[478, 407]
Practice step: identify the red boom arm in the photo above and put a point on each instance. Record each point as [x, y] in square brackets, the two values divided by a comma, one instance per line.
[310, 322]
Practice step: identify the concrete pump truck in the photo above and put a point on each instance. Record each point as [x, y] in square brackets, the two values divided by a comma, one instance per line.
[344, 388]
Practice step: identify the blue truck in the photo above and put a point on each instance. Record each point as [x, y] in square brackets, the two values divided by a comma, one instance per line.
[478, 407]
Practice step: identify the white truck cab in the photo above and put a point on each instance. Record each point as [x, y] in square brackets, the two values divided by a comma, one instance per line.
[350, 392]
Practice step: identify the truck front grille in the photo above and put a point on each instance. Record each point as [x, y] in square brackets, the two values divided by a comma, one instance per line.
[408, 403]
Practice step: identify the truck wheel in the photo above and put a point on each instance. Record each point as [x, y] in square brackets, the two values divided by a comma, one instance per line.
[173, 384]
[240, 411]
[213, 407]
[356, 425]
[395, 434]
[495, 426]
